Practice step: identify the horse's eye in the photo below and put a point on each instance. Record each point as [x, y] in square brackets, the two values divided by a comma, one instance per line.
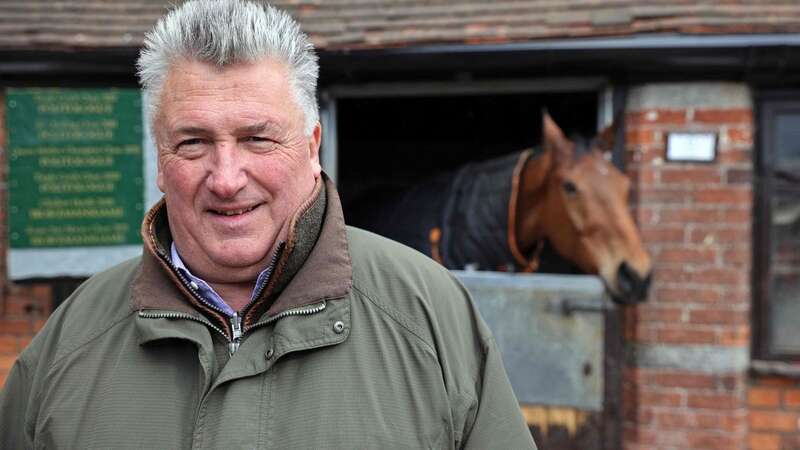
[570, 188]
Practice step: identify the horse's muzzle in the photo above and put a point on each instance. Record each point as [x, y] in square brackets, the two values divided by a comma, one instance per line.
[632, 287]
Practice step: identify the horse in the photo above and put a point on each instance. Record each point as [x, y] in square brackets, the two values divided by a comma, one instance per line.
[511, 212]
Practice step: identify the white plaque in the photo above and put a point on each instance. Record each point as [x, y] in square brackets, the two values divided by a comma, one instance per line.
[692, 147]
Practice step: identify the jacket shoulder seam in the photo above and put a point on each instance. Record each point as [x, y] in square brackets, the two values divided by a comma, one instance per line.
[62, 354]
[396, 316]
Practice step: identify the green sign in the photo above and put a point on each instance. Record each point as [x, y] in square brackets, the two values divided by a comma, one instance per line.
[75, 167]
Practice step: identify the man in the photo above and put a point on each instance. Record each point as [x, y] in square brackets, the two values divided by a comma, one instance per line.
[255, 318]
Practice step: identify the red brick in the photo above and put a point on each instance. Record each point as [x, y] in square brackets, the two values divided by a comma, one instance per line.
[662, 116]
[9, 344]
[16, 326]
[738, 176]
[725, 235]
[24, 340]
[736, 337]
[722, 196]
[684, 335]
[664, 196]
[661, 398]
[6, 361]
[724, 116]
[735, 157]
[670, 275]
[640, 136]
[736, 294]
[686, 255]
[642, 176]
[22, 306]
[646, 156]
[791, 398]
[686, 294]
[685, 215]
[638, 435]
[764, 396]
[639, 415]
[659, 314]
[691, 175]
[721, 420]
[673, 234]
[764, 441]
[718, 316]
[712, 401]
[725, 277]
[672, 438]
[712, 440]
[643, 214]
[776, 381]
[680, 379]
[737, 215]
[740, 135]
[674, 419]
[43, 292]
[773, 421]
[790, 441]
[737, 257]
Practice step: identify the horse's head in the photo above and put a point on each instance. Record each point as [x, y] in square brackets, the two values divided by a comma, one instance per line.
[578, 201]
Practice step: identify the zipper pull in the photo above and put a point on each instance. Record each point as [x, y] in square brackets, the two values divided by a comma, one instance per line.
[236, 327]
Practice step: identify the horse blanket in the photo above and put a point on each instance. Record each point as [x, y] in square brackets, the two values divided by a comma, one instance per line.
[473, 207]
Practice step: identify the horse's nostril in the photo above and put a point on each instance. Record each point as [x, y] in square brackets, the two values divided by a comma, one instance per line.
[626, 278]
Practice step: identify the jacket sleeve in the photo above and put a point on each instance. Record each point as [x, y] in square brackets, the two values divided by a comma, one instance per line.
[14, 404]
[497, 420]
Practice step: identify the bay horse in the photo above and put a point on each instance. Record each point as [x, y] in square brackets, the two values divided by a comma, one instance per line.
[508, 213]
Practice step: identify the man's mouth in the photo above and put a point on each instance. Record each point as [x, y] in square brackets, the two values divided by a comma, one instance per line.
[233, 212]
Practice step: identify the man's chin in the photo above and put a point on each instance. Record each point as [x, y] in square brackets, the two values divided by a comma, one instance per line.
[241, 257]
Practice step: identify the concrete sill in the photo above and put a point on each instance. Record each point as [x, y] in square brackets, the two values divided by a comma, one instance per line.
[781, 368]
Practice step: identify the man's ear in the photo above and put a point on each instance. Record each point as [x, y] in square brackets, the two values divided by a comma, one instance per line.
[314, 142]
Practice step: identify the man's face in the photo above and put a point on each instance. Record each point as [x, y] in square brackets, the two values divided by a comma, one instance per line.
[233, 162]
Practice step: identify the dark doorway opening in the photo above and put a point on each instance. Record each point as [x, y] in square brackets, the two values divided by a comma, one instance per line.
[396, 142]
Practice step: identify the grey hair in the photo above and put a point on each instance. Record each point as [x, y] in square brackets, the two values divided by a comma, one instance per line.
[225, 32]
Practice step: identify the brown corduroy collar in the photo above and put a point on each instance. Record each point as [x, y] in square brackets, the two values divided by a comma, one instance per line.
[314, 265]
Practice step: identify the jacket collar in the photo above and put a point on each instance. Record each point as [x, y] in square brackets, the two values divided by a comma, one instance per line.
[313, 266]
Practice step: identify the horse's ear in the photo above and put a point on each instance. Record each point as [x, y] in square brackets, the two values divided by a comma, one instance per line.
[554, 141]
[606, 138]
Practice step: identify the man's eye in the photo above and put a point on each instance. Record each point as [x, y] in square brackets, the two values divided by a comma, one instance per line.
[187, 142]
[255, 139]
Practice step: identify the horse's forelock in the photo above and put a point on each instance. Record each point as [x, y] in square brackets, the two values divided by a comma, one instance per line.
[583, 145]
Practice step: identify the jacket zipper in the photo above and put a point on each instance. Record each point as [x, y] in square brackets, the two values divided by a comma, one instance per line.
[299, 311]
[235, 338]
[236, 328]
[176, 315]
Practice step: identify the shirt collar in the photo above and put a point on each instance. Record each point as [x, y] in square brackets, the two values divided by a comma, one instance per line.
[206, 292]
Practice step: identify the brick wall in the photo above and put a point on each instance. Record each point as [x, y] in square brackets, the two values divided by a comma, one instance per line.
[774, 404]
[688, 346]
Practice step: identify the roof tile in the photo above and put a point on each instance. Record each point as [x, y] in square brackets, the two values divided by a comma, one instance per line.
[352, 24]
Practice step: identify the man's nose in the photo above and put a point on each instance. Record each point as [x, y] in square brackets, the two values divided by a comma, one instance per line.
[228, 175]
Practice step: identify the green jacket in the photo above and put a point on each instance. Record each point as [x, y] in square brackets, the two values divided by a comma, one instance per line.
[357, 342]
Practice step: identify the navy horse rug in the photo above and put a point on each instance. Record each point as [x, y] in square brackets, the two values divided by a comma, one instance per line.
[463, 218]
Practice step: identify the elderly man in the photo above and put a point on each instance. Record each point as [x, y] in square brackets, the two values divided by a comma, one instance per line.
[255, 318]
